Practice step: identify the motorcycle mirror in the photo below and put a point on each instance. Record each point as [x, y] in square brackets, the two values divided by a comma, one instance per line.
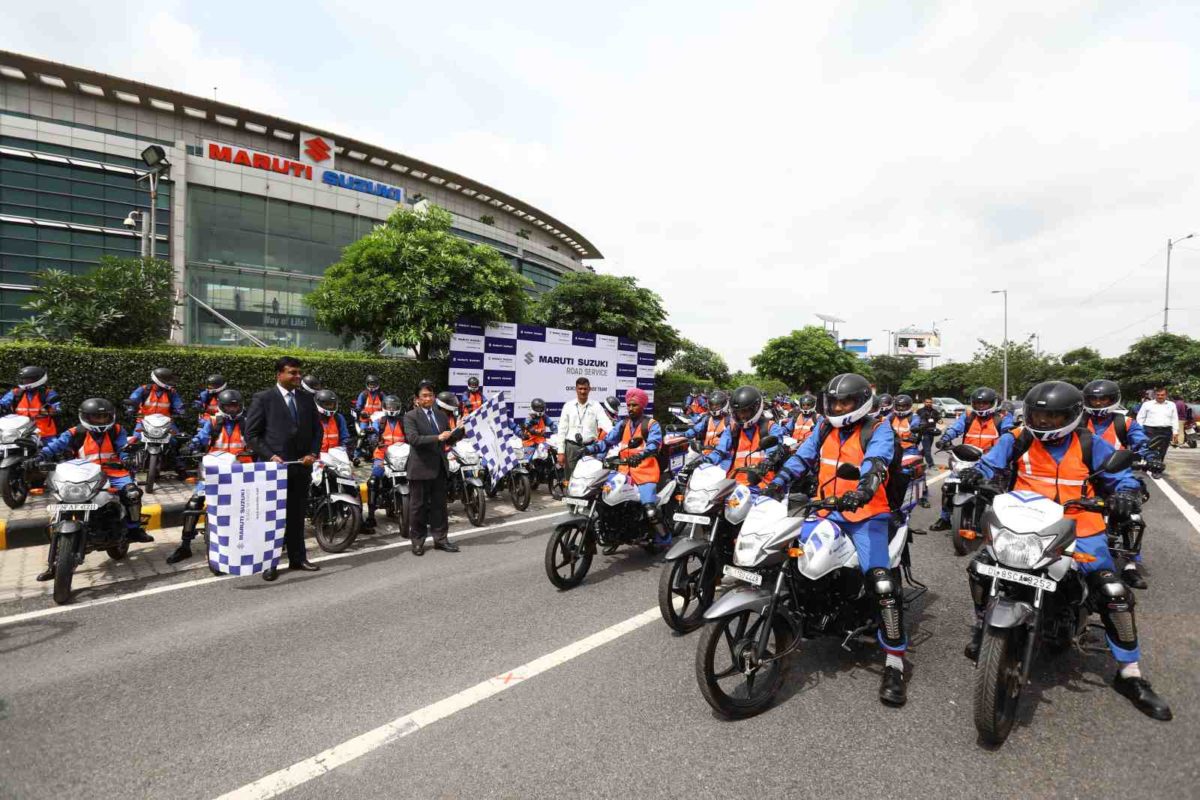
[579, 438]
[848, 472]
[966, 452]
[1120, 460]
[767, 442]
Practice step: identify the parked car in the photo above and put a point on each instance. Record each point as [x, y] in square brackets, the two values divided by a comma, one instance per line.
[948, 406]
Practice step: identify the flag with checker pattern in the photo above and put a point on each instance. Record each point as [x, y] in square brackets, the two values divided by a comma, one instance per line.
[490, 429]
[246, 512]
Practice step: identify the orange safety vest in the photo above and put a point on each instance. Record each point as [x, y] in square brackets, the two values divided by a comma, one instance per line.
[835, 452]
[392, 432]
[982, 432]
[156, 401]
[647, 471]
[30, 405]
[1037, 471]
[803, 427]
[696, 407]
[373, 403]
[231, 442]
[99, 448]
[537, 434]
[331, 434]
[716, 427]
[1110, 434]
[745, 455]
[474, 400]
[902, 426]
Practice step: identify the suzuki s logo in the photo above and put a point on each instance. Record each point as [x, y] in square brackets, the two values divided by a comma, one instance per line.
[528, 358]
[316, 148]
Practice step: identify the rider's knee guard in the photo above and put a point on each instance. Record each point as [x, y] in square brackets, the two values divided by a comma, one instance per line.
[131, 497]
[1114, 601]
[886, 586]
[191, 517]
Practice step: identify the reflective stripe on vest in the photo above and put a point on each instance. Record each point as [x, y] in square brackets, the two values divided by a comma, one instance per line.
[30, 405]
[100, 451]
[1060, 481]
[803, 427]
[229, 441]
[157, 401]
[645, 472]
[983, 435]
[835, 452]
[372, 403]
[537, 434]
[902, 426]
[331, 434]
[747, 455]
[1109, 434]
[391, 433]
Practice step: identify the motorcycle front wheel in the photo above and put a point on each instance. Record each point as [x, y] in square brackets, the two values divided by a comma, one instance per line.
[398, 509]
[13, 486]
[569, 555]
[519, 490]
[336, 526]
[64, 566]
[998, 684]
[961, 519]
[476, 502]
[730, 681]
[153, 467]
[685, 591]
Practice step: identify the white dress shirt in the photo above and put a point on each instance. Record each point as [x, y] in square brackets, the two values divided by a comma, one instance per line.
[1154, 414]
[581, 418]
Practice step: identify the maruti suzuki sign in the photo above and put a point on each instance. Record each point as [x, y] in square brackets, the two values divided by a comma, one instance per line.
[316, 154]
[318, 151]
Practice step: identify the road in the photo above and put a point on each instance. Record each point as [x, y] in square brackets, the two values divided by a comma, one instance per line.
[211, 688]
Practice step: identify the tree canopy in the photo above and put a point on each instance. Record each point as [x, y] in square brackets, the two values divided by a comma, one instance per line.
[891, 372]
[701, 361]
[806, 359]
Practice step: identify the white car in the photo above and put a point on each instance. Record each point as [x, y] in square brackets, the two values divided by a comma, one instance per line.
[948, 406]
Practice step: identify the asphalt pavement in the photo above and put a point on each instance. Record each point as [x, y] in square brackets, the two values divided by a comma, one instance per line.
[215, 686]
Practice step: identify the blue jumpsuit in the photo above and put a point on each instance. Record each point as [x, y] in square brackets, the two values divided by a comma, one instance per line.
[647, 492]
[62, 445]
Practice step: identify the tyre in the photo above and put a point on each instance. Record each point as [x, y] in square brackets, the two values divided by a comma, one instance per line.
[685, 591]
[14, 487]
[998, 684]
[476, 502]
[405, 511]
[336, 526]
[519, 490]
[492, 491]
[556, 487]
[119, 552]
[153, 467]
[961, 520]
[64, 566]
[1192, 443]
[569, 555]
[734, 688]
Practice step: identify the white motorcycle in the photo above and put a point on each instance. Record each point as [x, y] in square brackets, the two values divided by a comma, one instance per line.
[393, 489]
[335, 501]
[517, 481]
[158, 447]
[466, 480]
[19, 442]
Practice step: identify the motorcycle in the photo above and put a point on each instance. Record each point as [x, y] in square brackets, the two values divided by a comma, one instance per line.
[393, 489]
[157, 446]
[367, 438]
[543, 468]
[966, 514]
[85, 517]
[609, 514]
[466, 480]
[194, 511]
[517, 480]
[334, 501]
[19, 442]
[1037, 594]
[802, 580]
[1190, 435]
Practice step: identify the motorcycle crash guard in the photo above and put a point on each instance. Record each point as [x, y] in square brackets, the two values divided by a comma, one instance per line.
[341, 497]
[684, 546]
[1005, 613]
[738, 601]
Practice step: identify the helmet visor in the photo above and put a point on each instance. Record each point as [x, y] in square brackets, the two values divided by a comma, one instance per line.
[1042, 419]
[99, 418]
[1100, 402]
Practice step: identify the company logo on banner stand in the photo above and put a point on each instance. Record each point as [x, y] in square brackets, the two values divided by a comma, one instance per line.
[536, 361]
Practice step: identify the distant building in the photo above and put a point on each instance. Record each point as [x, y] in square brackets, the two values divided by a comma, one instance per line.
[921, 343]
[856, 346]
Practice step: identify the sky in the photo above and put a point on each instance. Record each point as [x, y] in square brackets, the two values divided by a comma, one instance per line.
[757, 163]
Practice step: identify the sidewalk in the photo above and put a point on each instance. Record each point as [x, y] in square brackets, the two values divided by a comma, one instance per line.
[1183, 471]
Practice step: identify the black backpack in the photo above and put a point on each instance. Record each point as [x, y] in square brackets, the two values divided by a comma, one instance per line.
[894, 487]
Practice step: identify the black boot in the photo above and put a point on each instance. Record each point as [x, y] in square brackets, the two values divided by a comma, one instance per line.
[46, 575]
[942, 524]
[892, 690]
[971, 651]
[372, 499]
[1143, 697]
[182, 553]
[138, 534]
[1133, 577]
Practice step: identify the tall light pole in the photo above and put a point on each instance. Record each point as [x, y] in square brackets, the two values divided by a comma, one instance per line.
[156, 159]
[1167, 289]
[1005, 293]
[934, 329]
[889, 340]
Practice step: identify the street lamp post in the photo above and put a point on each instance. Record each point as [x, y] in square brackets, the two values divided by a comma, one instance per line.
[934, 329]
[1005, 293]
[156, 159]
[889, 340]
[1167, 289]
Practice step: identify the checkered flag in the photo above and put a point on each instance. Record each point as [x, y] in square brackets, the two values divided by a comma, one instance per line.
[490, 428]
[246, 512]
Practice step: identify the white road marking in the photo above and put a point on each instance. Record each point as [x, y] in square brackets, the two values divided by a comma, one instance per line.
[1189, 512]
[174, 587]
[315, 766]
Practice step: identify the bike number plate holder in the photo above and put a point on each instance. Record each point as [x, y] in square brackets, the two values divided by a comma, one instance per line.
[71, 507]
[1013, 576]
[577, 502]
[695, 519]
[752, 578]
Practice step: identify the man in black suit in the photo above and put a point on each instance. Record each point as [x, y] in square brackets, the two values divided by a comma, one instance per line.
[427, 431]
[282, 425]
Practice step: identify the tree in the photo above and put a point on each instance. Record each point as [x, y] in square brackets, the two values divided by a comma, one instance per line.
[1025, 367]
[123, 301]
[805, 359]
[407, 281]
[697, 360]
[1081, 365]
[891, 372]
[952, 379]
[609, 304]
[768, 386]
[1163, 359]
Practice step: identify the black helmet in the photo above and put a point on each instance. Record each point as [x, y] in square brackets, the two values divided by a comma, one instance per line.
[31, 377]
[808, 404]
[885, 402]
[215, 382]
[311, 384]
[326, 401]
[97, 414]
[229, 401]
[537, 407]
[847, 386]
[984, 401]
[472, 383]
[612, 405]
[448, 402]
[902, 405]
[1101, 397]
[747, 405]
[392, 405]
[1053, 410]
[718, 403]
[372, 381]
[876, 406]
[163, 376]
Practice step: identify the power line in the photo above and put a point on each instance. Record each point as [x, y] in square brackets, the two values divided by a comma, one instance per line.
[1118, 279]
[1119, 330]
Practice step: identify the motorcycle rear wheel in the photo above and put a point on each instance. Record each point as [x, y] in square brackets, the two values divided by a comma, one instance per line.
[519, 491]
[730, 639]
[13, 486]
[998, 684]
[476, 502]
[336, 526]
[683, 595]
[64, 566]
[569, 555]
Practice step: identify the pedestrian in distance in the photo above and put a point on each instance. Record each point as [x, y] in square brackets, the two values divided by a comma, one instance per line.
[1159, 417]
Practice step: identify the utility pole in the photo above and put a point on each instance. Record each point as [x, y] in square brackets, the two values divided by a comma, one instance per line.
[1005, 293]
[1167, 289]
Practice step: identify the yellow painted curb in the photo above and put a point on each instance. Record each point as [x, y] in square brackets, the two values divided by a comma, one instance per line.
[3, 534]
[362, 491]
[154, 512]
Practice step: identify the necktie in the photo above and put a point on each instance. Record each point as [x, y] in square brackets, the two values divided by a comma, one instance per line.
[291, 404]
[432, 421]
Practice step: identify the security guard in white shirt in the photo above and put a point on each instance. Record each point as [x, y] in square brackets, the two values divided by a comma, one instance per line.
[578, 426]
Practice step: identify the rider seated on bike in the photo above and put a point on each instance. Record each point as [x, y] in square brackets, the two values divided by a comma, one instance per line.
[157, 397]
[390, 430]
[1053, 456]
[32, 398]
[472, 398]
[981, 427]
[612, 408]
[98, 438]
[847, 435]
[206, 401]
[537, 428]
[711, 426]
[334, 430]
[636, 439]
[908, 430]
[738, 448]
[801, 424]
[221, 433]
[369, 402]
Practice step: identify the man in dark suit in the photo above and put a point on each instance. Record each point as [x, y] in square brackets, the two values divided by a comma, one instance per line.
[427, 431]
[282, 425]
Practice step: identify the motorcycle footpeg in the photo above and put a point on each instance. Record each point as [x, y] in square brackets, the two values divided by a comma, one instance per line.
[854, 633]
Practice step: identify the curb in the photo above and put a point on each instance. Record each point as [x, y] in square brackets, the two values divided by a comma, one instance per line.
[33, 532]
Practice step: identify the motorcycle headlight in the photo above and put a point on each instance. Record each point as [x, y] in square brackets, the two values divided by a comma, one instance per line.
[697, 501]
[1018, 550]
[156, 431]
[342, 470]
[397, 464]
[76, 492]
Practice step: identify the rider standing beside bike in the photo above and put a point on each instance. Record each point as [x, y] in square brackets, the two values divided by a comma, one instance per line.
[709, 429]
[389, 430]
[980, 427]
[846, 436]
[739, 445]
[1051, 456]
[32, 398]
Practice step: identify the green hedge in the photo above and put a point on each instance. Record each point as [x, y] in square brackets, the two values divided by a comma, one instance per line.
[82, 372]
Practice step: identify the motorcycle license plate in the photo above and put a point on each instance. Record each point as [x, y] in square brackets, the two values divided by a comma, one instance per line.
[692, 518]
[72, 507]
[1013, 576]
[752, 578]
[576, 502]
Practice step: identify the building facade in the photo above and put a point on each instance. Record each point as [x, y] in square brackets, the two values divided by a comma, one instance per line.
[252, 212]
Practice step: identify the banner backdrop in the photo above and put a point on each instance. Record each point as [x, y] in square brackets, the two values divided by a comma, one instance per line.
[533, 361]
[245, 508]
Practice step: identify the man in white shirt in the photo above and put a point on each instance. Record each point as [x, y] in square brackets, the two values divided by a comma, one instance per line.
[578, 425]
[1158, 417]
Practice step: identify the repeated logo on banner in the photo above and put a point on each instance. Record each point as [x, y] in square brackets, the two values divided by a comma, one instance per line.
[534, 361]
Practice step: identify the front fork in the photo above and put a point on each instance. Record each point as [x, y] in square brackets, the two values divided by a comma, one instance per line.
[764, 636]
